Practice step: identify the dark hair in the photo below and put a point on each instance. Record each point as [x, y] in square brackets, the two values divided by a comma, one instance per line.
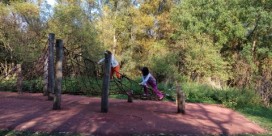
[108, 51]
[145, 71]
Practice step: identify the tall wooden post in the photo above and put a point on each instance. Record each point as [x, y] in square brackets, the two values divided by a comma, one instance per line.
[180, 101]
[19, 78]
[106, 82]
[129, 94]
[51, 75]
[59, 59]
[45, 75]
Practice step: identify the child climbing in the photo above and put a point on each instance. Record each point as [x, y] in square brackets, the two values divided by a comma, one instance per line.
[115, 67]
[149, 80]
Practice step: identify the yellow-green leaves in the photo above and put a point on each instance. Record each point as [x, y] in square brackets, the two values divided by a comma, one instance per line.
[26, 9]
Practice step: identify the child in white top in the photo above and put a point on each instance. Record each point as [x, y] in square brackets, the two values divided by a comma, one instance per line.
[148, 79]
[115, 67]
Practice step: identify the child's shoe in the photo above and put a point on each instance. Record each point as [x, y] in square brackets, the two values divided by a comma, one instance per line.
[145, 95]
[161, 98]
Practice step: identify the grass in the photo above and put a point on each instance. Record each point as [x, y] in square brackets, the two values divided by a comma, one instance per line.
[118, 96]
[245, 101]
[259, 115]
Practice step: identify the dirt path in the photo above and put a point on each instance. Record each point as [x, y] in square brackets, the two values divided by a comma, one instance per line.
[82, 115]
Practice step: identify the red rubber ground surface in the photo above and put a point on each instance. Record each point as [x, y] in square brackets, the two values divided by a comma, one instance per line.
[82, 114]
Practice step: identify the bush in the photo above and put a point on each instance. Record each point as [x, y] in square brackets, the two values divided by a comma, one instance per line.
[33, 86]
[230, 97]
[8, 85]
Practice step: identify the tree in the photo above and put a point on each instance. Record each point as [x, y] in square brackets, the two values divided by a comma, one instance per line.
[19, 27]
[238, 29]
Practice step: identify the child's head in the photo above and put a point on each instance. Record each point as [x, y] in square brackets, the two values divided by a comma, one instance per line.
[145, 71]
[107, 51]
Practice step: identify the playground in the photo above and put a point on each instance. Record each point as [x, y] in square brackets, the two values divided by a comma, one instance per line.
[81, 114]
[31, 108]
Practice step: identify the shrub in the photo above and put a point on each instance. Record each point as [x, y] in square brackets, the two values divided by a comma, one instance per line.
[230, 97]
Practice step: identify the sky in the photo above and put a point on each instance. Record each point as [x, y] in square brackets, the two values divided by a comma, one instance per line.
[51, 2]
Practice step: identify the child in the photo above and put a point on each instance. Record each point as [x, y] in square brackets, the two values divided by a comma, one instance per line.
[115, 67]
[148, 79]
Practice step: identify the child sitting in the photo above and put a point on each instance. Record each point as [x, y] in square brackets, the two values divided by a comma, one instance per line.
[148, 79]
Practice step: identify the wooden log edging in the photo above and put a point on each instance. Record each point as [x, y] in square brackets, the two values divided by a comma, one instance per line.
[180, 101]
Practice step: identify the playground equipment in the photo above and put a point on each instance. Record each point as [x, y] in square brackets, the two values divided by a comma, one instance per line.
[80, 75]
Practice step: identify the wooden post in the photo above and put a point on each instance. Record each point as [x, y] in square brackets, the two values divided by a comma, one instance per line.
[106, 82]
[180, 101]
[45, 76]
[129, 94]
[51, 82]
[19, 78]
[59, 58]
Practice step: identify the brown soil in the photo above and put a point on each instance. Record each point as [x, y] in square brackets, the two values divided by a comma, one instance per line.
[80, 114]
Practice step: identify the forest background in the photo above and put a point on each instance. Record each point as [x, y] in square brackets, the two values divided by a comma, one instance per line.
[216, 43]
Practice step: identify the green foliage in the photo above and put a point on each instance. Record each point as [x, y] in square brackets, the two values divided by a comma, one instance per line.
[27, 10]
[136, 88]
[8, 85]
[203, 60]
[118, 96]
[163, 64]
[230, 97]
[93, 87]
[77, 30]
[217, 19]
[234, 33]
[81, 86]
[33, 86]
[259, 114]
[202, 28]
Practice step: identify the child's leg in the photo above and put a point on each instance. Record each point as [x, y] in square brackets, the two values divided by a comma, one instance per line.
[111, 72]
[117, 71]
[155, 88]
[145, 90]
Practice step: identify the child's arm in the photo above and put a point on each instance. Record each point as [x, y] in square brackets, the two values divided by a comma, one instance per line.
[145, 80]
[100, 61]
